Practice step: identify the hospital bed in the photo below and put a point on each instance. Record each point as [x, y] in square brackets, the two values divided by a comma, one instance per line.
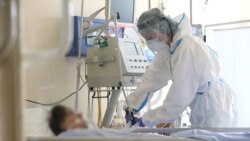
[233, 131]
[110, 139]
[37, 130]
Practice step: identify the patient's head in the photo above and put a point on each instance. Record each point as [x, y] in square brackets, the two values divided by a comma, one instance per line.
[63, 118]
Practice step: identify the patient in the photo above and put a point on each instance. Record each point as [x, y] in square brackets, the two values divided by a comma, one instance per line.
[64, 122]
[63, 119]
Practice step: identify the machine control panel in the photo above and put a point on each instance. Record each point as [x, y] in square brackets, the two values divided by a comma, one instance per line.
[134, 59]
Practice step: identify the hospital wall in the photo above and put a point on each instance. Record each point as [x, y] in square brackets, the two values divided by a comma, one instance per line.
[49, 80]
[220, 11]
[215, 11]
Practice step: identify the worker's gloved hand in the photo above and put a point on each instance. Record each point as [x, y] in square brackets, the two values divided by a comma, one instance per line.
[139, 121]
[131, 118]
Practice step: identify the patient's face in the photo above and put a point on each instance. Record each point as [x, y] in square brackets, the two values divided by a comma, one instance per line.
[73, 120]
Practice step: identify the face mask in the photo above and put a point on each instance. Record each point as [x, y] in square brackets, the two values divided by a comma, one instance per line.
[155, 45]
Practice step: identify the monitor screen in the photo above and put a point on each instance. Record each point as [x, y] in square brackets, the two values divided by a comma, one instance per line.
[130, 48]
[125, 8]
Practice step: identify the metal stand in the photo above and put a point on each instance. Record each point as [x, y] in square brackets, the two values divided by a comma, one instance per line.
[110, 108]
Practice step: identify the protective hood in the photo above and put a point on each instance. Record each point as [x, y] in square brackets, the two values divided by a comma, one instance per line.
[184, 28]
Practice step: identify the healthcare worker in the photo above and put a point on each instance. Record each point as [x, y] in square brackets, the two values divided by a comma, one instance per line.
[194, 70]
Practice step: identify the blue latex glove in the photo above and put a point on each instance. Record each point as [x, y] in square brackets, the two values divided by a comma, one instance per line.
[134, 120]
[139, 121]
[129, 116]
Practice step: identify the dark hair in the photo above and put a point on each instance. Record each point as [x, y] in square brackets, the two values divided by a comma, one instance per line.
[56, 118]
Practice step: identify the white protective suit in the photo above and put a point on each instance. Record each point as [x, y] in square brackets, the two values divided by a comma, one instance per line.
[194, 69]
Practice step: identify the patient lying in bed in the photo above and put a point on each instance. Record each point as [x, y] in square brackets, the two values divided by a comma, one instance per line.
[63, 119]
[65, 122]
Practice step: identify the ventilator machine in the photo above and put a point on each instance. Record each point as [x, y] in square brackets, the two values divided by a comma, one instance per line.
[114, 63]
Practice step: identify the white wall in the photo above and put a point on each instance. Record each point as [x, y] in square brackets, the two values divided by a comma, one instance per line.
[218, 11]
[49, 80]
[176, 7]
[156, 4]
[90, 6]
[140, 7]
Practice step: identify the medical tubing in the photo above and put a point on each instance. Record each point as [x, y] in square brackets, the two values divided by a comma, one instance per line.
[143, 104]
[125, 96]
[89, 113]
[78, 75]
[92, 105]
[55, 103]
[79, 57]
[99, 108]
[81, 32]
[113, 17]
[85, 71]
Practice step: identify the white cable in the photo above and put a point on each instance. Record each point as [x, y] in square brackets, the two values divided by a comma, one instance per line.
[113, 17]
[126, 99]
[81, 33]
[58, 102]
[79, 58]
[79, 77]
[89, 108]
[78, 68]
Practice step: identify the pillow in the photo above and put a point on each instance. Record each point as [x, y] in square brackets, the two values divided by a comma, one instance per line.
[36, 122]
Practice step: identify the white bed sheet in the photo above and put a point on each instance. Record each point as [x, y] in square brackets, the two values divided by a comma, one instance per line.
[109, 139]
[36, 128]
[213, 136]
[107, 133]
